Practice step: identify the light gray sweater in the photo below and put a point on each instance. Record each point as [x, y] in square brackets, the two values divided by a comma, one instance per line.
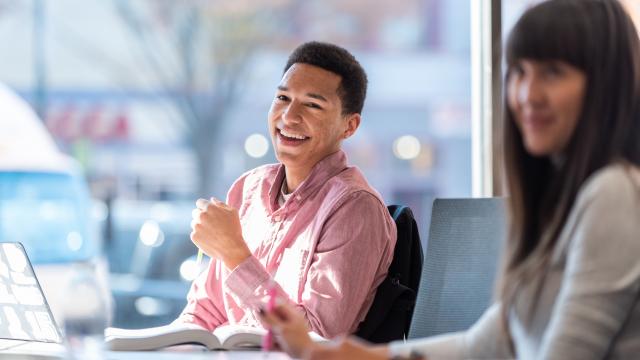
[588, 306]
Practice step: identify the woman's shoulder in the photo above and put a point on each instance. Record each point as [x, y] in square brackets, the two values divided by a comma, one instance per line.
[615, 185]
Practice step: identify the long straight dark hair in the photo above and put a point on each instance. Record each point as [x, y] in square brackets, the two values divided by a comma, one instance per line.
[599, 38]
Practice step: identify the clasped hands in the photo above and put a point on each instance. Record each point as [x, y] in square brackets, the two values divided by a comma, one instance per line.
[216, 230]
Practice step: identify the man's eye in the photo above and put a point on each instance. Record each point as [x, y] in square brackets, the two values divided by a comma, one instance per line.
[282, 98]
[314, 106]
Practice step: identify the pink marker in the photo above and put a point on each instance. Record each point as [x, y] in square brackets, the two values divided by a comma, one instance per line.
[267, 340]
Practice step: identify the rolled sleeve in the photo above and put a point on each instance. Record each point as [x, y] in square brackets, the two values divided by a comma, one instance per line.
[246, 279]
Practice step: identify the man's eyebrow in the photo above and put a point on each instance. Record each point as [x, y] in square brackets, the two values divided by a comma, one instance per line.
[317, 96]
[311, 95]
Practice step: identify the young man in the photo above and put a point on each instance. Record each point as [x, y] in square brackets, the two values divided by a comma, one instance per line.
[310, 227]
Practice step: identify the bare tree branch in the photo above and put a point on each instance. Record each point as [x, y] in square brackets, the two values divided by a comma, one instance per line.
[203, 91]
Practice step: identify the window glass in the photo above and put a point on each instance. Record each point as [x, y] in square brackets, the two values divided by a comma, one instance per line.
[163, 102]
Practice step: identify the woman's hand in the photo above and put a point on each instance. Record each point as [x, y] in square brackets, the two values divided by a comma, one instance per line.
[290, 330]
[292, 334]
[348, 349]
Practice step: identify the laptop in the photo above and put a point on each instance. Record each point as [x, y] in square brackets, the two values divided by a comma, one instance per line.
[24, 311]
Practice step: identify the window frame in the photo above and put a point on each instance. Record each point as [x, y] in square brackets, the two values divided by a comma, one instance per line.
[486, 98]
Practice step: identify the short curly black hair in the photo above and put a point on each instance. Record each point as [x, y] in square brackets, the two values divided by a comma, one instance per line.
[330, 57]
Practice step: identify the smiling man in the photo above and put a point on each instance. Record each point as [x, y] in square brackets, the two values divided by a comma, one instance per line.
[310, 227]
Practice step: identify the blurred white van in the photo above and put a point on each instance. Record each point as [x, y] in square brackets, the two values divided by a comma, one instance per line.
[45, 205]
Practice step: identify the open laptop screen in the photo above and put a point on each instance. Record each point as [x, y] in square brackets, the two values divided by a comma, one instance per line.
[24, 312]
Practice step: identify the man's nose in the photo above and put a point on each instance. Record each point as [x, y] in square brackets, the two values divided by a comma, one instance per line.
[292, 112]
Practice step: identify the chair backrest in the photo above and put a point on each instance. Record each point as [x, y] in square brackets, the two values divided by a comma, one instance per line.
[389, 317]
[463, 251]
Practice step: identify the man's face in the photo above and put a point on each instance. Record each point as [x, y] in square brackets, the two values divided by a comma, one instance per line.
[305, 120]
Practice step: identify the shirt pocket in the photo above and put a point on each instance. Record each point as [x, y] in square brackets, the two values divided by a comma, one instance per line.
[290, 270]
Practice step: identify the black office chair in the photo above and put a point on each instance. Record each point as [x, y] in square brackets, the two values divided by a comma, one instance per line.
[457, 282]
[389, 317]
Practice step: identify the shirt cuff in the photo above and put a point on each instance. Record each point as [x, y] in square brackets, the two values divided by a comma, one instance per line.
[398, 348]
[246, 278]
[446, 346]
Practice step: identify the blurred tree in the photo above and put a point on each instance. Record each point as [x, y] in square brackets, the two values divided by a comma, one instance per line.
[199, 51]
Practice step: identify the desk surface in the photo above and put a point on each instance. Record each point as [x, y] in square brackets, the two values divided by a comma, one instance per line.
[20, 350]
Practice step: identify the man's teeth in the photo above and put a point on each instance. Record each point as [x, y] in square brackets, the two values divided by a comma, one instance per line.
[293, 136]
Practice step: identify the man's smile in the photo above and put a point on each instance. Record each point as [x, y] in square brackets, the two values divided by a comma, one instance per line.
[292, 135]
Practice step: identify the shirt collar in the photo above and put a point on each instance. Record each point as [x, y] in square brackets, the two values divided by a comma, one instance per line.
[325, 169]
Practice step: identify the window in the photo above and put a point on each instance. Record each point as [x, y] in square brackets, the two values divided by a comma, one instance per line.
[166, 101]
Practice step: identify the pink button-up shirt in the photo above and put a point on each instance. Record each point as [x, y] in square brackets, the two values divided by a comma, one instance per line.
[326, 250]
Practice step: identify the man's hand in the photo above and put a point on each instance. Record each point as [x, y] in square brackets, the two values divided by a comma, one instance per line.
[217, 232]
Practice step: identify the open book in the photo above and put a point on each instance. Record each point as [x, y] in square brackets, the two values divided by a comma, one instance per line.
[224, 337]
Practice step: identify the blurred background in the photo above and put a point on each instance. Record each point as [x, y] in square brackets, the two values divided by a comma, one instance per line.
[149, 104]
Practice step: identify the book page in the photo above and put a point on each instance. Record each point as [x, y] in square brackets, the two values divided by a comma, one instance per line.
[242, 336]
[147, 332]
[239, 336]
[159, 337]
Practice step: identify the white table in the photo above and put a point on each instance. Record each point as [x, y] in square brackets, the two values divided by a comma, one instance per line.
[21, 350]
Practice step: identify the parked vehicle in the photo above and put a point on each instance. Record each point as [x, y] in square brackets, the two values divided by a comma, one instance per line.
[152, 260]
[45, 204]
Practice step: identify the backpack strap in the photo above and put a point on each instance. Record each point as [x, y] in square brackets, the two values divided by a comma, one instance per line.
[397, 212]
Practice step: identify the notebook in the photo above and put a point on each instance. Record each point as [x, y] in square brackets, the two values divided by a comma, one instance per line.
[24, 311]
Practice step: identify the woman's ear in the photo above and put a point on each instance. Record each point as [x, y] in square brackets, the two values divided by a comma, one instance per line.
[352, 124]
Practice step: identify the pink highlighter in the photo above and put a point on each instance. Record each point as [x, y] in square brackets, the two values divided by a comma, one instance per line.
[267, 340]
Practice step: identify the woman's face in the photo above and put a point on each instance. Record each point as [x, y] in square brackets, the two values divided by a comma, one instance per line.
[545, 98]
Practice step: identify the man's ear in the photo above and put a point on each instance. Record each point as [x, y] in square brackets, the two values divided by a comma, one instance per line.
[352, 122]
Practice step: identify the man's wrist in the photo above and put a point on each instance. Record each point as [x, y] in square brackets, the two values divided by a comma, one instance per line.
[231, 262]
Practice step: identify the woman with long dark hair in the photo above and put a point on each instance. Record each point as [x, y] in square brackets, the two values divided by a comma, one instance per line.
[570, 283]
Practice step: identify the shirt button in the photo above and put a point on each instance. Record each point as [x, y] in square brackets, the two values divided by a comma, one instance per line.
[276, 218]
[298, 197]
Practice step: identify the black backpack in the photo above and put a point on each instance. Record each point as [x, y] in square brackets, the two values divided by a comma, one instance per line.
[390, 314]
